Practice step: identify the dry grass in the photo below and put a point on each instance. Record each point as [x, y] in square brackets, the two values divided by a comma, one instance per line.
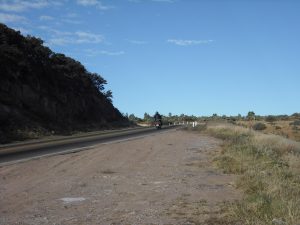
[268, 168]
[285, 128]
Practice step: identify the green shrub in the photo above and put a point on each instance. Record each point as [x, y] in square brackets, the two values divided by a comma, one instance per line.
[295, 123]
[270, 119]
[259, 126]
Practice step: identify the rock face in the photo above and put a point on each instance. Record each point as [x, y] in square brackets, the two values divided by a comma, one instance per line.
[43, 90]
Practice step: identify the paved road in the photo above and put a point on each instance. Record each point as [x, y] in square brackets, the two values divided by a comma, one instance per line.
[22, 151]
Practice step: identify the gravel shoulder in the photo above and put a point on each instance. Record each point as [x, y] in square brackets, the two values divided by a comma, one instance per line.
[163, 178]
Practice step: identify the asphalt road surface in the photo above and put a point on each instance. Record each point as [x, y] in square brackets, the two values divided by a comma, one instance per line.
[12, 153]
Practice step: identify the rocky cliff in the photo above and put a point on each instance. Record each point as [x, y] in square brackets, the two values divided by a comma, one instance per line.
[42, 91]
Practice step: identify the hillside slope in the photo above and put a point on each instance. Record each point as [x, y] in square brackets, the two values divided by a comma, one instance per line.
[42, 91]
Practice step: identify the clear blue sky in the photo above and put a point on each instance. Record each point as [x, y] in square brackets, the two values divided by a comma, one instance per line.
[182, 56]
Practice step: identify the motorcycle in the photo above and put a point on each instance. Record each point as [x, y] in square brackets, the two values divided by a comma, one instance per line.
[158, 124]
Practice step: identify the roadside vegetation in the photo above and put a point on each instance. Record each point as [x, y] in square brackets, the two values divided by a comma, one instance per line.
[43, 92]
[268, 171]
[167, 119]
[283, 125]
[287, 126]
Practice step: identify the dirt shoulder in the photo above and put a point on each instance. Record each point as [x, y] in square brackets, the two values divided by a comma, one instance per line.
[164, 178]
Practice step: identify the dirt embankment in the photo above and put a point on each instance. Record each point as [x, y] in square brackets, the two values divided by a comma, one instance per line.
[164, 178]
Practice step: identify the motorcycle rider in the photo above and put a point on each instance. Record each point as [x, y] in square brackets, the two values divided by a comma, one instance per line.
[157, 117]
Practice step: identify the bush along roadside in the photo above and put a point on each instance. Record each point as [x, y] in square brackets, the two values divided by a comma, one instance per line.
[268, 179]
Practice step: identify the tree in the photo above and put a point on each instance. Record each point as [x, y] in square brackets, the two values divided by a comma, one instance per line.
[108, 95]
[133, 118]
[147, 117]
[251, 115]
[98, 81]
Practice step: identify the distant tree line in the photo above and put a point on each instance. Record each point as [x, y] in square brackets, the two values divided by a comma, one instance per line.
[170, 118]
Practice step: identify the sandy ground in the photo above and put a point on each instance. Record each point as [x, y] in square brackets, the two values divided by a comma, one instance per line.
[163, 178]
